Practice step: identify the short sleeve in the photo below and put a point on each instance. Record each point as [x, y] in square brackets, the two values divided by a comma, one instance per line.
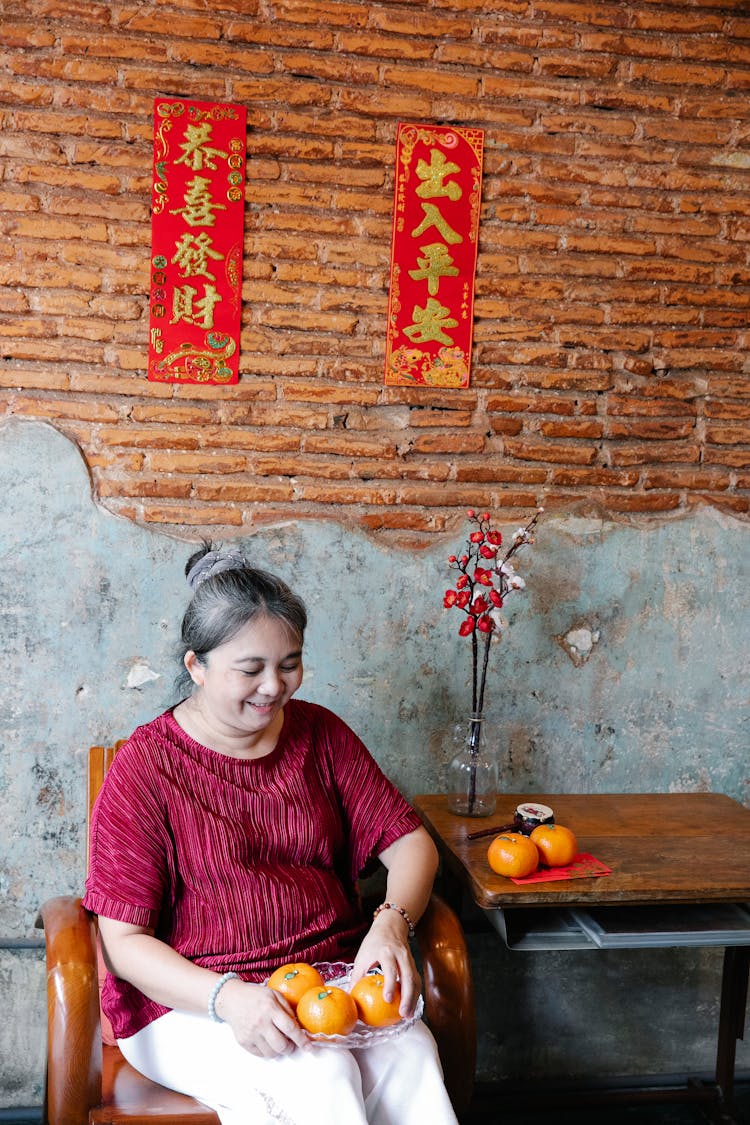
[376, 812]
[128, 865]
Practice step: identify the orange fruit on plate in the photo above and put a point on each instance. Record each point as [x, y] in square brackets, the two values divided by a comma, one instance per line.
[373, 1009]
[513, 855]
[327, 1010]
[294, 980]
[557, 844]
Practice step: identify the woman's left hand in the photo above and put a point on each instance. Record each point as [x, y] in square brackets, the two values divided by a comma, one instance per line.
[411, 862]
[386, 944]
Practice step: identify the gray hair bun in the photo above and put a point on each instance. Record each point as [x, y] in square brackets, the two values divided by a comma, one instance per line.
[214, 562]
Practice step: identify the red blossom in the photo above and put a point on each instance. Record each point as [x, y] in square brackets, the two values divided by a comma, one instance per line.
[479, 590]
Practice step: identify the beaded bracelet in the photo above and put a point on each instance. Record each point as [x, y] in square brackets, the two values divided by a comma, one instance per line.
[399, 910]
[215, 992]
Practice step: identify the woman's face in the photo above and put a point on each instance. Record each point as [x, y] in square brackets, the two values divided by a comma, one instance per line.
[244, 683]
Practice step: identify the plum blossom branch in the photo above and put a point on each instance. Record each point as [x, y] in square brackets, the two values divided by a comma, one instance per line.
[485, 579]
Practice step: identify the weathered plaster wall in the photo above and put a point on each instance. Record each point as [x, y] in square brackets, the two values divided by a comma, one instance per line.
[89, 605]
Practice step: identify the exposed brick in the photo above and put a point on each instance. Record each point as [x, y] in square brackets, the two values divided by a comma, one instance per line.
[180, 514]
[315, 467]
[648, 407]
[549, 452]
[660, 430]
[680, 478]
[724, 455]
[258, 441]
[572, 428]
[410, 520]
[319, 392]
[350, 493]
[251, 493]
[497, 471]
[512, 426]
[728, 435]
[196, 463]
[685, 453]
[740, 505]
[735, 411]
[66, 408]
[129, 436]
[167, 488]
[593, 478]
[643, 501]
[29, 378]
[443, 443]
[173, 415]
[612, 290]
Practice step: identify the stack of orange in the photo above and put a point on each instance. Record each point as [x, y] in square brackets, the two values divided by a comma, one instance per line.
[325, 1009]
[515, 855]
[294, 980]
[373, 1009]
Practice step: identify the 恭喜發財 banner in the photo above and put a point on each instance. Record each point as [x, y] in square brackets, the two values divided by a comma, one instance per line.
[197, 226]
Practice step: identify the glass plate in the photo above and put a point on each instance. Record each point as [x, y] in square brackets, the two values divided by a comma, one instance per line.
[338, 973]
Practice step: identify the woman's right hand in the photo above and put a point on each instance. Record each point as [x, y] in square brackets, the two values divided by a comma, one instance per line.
[261, 1019]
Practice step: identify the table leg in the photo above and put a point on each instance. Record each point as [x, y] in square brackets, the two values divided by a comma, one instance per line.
[731, 1017]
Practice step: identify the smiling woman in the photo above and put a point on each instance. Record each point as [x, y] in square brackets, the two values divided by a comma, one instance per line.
[243, 687]
[227, 840]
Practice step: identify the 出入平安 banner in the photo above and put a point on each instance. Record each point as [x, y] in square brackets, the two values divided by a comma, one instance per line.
[433, 255]
[198, 211]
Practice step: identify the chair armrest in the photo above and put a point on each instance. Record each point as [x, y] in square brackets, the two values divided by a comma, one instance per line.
[74, 1041]
[449, 998]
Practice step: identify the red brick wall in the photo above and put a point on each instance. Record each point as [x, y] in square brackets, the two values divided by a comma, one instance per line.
[610, 357]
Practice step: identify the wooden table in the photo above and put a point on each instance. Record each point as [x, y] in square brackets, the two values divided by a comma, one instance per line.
[664, 849]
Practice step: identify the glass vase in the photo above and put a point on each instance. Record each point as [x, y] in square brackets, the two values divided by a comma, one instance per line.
[472, 772]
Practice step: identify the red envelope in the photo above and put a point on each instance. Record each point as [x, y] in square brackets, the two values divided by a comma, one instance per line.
[584, 866]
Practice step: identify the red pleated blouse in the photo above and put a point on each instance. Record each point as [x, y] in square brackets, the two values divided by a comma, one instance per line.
[239, 864]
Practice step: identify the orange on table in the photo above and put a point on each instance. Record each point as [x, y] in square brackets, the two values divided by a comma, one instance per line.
[327, 1011]
[373, 1009]
[557, 844]
[294, 980]
[513, 855]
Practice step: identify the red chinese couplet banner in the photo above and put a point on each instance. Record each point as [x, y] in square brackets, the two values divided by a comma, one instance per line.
[198, 211]
[433, 255]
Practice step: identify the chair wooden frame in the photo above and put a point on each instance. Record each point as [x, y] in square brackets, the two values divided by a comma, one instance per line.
[88, 1083]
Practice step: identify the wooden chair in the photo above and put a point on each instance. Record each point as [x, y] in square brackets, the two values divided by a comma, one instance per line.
[89, 1083]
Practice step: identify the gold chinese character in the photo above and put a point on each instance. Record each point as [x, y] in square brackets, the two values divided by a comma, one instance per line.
[196, 152]
[433, 218]
[185, 307]
[436, 263]
[199, 207]
[429, 323]
[433, 175]
[192, 253]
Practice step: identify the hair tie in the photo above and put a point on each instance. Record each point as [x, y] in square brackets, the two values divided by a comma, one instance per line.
[214, 563]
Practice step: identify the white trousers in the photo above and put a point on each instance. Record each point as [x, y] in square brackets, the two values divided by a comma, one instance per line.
[397, 1082]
